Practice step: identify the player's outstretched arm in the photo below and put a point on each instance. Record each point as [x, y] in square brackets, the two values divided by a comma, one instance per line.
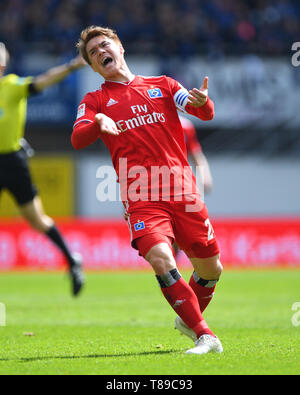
[57, 74]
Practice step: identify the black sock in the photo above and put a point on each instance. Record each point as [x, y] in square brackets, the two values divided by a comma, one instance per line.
[54, 234]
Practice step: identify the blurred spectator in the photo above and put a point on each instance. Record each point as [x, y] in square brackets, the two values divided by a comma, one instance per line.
[165, 27]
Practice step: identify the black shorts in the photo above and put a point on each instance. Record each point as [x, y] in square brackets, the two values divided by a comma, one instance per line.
[15, 177]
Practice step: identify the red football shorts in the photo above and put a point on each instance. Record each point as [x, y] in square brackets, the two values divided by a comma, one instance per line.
[185, 222]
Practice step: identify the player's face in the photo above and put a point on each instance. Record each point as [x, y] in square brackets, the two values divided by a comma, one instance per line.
[106, 56]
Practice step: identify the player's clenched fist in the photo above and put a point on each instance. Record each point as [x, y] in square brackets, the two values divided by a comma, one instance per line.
[198, 97]
[107, 125]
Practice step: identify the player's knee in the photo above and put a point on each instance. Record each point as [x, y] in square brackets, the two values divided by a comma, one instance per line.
[214, 270]
[208, 269]
[162, 265]
[218, 270]
[161, 262]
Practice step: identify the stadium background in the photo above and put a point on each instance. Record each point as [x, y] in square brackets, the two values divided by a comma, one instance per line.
[252, 145]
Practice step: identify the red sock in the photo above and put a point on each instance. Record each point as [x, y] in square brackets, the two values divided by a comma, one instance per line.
[202, 290]
[184, 301]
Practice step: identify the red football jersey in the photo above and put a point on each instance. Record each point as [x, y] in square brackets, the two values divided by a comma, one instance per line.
[152, 141]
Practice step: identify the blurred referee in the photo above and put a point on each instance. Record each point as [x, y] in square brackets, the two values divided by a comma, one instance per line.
[14, 171]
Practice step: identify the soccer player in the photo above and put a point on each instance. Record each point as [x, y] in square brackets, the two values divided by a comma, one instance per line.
[136, 117]
[14, 171]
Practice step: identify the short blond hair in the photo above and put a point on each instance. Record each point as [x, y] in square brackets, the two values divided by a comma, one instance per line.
[4, 55]
[91, 32]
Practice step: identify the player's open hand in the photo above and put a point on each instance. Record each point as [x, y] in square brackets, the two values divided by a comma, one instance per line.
[198, 97]
[107, 125]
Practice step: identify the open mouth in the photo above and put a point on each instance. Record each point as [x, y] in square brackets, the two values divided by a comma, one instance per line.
[107, 61]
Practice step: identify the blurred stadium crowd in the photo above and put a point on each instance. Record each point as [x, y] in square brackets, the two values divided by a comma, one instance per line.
[250, 41]
[213, 27]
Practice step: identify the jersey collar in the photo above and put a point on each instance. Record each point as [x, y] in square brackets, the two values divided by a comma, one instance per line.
[120, 82]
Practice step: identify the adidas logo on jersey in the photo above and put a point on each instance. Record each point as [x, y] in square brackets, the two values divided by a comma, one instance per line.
[111, 102]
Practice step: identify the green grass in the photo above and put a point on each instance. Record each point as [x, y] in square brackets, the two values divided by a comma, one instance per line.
[121, 325]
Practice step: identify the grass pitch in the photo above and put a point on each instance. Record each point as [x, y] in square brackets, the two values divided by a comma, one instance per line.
[121, 325]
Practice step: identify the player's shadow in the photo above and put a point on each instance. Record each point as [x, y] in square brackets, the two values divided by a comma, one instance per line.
[41, 358]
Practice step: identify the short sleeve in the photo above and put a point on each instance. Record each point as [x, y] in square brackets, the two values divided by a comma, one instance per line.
[19, 86]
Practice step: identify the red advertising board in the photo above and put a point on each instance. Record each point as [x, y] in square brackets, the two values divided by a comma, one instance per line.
[105, 244]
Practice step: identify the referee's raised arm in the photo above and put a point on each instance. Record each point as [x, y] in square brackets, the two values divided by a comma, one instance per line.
[57, 74]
